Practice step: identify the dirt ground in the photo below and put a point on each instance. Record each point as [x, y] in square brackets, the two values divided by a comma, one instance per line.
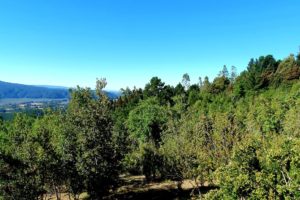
[136, 187]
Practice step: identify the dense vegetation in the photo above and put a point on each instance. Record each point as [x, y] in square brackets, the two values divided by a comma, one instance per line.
[238, 133]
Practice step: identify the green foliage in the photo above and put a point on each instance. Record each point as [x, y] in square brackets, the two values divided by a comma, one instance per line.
[257, 172]
[287, 70]
[193, 94]
[145, 124]
[157, 88]
[238, 133]
[239, 178]
[96, 157]
[46, 133]
[19, 173]
[186, 81]
[18, 180]
[75, 150]
[185, 152]
[298, 59]
[179, 89]
[291, 122]
[219, 84]
[146, 121]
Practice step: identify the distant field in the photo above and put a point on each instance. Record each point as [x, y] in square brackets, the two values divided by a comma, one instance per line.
[7, 101]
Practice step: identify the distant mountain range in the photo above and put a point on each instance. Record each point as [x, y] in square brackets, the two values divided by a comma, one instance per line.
[15, 90]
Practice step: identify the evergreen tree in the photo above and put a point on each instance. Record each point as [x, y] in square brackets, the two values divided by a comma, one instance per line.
[186, 81]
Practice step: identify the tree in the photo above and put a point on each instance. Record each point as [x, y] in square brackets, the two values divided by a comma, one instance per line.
[224, 72]
[291, 123]
[260, 72]
[257, 172]
[46, 133]
[154, 88]
[206, 84]
[193, 94]
[200, 82]
[287, 70]
[239, 87]
[219, 84]
[186, 81]
[17, 179]
[238, 133]
[145, 124]
[96, 158]
[298, 59]
[157, 88]
[19, 174]
[193, 160]
[146, 121]
[67, 148]
[179, 89]
[233, 74]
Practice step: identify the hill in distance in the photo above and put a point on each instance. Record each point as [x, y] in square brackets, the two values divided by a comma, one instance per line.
[16, 90]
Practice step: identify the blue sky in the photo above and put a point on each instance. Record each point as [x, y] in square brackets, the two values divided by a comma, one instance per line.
[72, 42]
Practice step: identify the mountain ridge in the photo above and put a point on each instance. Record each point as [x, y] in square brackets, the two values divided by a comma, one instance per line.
[18, 90]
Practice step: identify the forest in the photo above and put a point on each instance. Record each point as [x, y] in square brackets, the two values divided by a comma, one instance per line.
[239, 133]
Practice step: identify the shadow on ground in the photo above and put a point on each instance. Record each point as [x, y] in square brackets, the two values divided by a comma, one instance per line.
[134, 188]
[159, 194]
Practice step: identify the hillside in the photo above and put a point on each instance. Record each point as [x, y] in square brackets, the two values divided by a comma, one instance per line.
[235, 137]
[15, 90]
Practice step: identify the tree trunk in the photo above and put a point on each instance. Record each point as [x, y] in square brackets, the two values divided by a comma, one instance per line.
[56, 193]
[76, 197]
[179, 186]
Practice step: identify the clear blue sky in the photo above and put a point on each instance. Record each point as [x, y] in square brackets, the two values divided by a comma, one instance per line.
[71, 42]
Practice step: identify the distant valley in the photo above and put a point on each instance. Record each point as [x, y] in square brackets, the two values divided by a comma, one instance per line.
[21, 91]
[15, 97]
[15, 90]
